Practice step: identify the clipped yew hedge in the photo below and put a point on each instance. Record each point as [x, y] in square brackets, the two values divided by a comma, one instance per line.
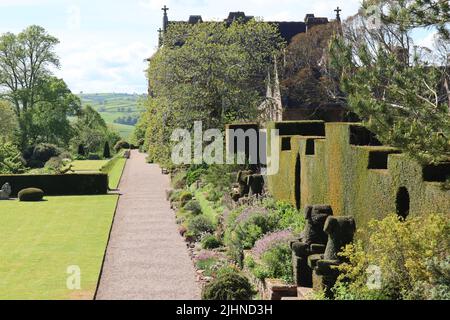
[59, 185]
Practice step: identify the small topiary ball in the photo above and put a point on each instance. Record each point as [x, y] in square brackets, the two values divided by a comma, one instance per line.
[31, 195]
[229, 285]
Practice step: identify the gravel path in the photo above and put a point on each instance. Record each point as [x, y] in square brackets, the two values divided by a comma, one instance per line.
[146, 257]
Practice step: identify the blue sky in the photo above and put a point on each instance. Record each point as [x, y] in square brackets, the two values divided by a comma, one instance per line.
[104, 43]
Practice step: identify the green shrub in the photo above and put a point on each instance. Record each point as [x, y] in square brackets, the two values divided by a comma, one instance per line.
[200, 225]
[10, 159]
[94, 156]
[211, 242]
[214, 196]
[179, 180]
[185, 197]
[121, 145]
[194, 174]
[221, 177]
[193, 207]
[175, 195]
[31, 195]
[273, 257]
[44, 152]
[278, 263]
[230, 285]
[290, 217]
[54, 163]
[250, 231]
[409, 254]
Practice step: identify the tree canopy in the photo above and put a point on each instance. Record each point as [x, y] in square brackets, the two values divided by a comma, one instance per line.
[306, 80]
[208, 72]
[396, 90]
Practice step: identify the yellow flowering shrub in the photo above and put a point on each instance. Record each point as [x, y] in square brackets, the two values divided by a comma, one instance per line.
[401, 259]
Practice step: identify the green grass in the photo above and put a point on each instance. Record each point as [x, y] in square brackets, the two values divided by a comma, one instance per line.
[115, 172]
[39, 241]
[88, 165]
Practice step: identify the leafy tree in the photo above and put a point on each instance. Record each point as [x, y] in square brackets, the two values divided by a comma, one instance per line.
[391, 87]
[208, 72]
[41, 102]
[48, 121]
[415, 13]
[91, 131]
[8, 122]
[306, 80]
[24, 60]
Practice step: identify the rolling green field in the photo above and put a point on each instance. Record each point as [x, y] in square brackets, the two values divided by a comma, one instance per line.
[115, 105]
[40, 241]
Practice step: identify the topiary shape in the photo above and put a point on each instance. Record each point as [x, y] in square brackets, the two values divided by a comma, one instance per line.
[106, 151]
[31, 195]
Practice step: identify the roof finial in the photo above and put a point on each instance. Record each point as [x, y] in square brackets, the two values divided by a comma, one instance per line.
[165, 18]
[338, 15]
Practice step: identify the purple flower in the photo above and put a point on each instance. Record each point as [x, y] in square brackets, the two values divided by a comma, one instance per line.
[207, 255]
[249, 212]
[270, 241]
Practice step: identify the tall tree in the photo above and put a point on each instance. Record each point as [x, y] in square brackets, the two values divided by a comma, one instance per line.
[8, 122]
[48, 121]
[24, 60]
[208, 72]
[92, 132]
[392, 88]
[306, 81]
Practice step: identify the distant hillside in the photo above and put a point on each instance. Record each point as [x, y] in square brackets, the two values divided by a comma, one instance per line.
[120, 110]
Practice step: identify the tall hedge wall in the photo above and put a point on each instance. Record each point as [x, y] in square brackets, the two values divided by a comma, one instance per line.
[338, 173]
[59, 185]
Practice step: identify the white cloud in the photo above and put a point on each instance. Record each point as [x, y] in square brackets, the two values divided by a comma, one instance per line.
[105, 67]
[104, 43]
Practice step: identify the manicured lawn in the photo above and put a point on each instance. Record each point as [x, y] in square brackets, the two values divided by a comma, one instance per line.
[39, 241]
[88, 165]
[115, 173]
